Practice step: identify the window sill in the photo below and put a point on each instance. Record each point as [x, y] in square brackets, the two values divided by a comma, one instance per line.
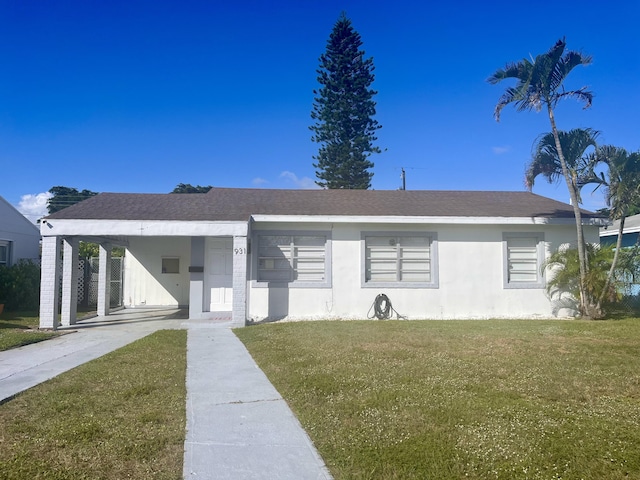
[267, 284]
[524, 286]
[415, 285]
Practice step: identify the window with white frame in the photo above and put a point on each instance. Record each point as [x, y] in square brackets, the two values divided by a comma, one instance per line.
[399, 259]
[293, 258]
[523, 254]
[5, 252]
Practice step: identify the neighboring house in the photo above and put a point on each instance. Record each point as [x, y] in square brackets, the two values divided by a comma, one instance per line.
[19, 238]
[316, 254]
[609, 233]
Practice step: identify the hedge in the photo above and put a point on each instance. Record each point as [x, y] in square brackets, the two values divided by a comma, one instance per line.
[20, 286]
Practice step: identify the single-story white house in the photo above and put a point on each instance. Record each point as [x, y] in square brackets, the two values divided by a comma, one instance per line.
[264, 254]
[19, 238]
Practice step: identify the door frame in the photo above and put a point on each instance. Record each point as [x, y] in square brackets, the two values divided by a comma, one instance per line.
[227, 268]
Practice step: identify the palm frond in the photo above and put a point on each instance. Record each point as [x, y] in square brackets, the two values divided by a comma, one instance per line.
[518, 94]
[511, 95]
[545, 159]
[548, 67]
[582, 95]
[555, 52]
[571, 60]
[588, 174]
[574, 145]
[540, 80]
[517, 70]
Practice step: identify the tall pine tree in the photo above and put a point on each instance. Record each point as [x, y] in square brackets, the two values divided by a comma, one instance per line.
[343, 110]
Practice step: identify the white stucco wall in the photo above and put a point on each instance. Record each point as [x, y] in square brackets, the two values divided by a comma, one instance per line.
[144, 282]
[470, 262]
[470, 274]
[17, 229]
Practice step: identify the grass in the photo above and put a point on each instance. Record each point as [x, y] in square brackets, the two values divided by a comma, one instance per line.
[462, 399]
[120, 416]
[20, 328]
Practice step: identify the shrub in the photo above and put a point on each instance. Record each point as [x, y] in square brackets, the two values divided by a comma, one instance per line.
[563, 286]
[20, 286]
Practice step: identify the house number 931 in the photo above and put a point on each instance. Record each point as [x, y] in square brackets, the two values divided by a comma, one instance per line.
[240, 251]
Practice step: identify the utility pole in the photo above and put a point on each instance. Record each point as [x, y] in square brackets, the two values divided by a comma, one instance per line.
[403, 177]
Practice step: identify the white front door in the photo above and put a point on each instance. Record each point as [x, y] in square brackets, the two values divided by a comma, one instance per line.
[219, 274]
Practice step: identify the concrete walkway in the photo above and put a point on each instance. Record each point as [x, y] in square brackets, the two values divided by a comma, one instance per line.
[238, 425]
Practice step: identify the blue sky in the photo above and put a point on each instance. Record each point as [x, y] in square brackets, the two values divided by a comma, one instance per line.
[138, 96]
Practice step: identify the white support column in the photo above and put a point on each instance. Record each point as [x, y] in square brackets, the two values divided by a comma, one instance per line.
[196, 278]
[50, 282]
[104, 280]
[239, 314]
[69, 281]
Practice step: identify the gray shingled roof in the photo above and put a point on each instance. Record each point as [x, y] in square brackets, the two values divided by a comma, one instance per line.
[240, 203]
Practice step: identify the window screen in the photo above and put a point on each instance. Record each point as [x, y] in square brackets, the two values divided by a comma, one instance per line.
[291, 258]
[398, 258]
[522, 255]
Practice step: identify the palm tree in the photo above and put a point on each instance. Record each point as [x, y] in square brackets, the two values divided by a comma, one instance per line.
[565, 264]
[539, 83]
[622, 193]
[622, 183]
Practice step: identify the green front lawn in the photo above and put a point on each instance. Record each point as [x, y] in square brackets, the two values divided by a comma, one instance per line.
[20, 328]
[462, 399]
[120, 416]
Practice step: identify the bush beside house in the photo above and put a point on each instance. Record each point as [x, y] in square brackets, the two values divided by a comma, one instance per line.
[20, 286]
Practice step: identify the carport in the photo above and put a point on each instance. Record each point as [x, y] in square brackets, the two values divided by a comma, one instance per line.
[120, 220]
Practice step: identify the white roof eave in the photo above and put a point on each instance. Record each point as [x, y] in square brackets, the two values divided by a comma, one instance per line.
[142, 228]
[186, 228]
[425, 220]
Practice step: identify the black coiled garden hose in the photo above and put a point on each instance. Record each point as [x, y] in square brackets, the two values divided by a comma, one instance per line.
[382, 308]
